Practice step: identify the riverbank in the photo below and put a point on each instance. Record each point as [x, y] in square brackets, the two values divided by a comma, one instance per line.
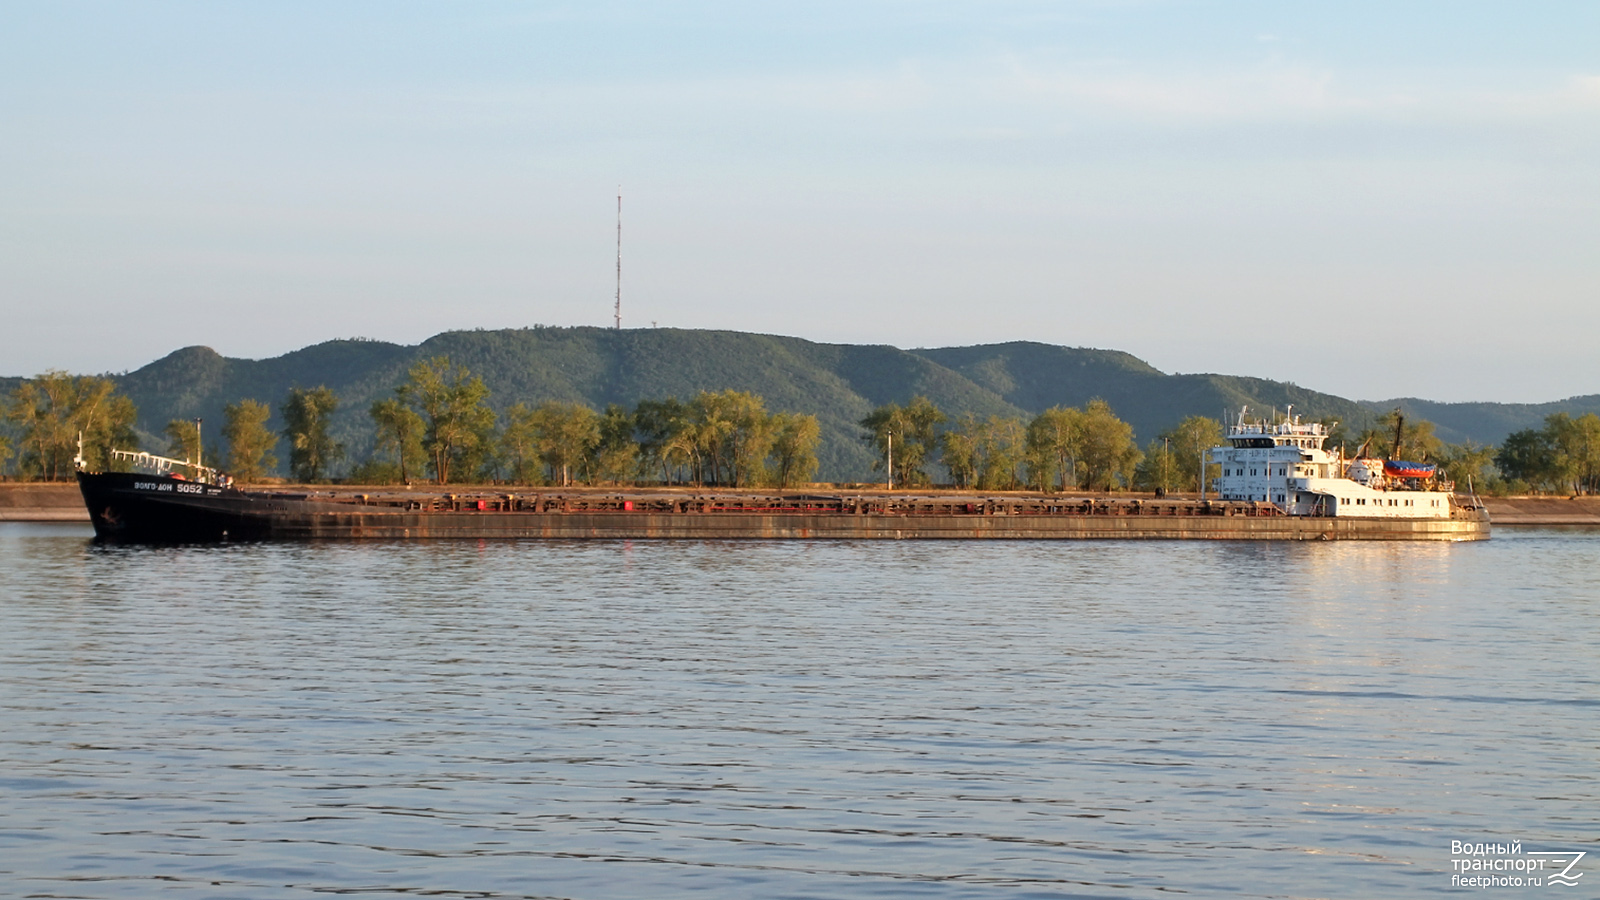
[1515, 511]
[40, 502]
[36, 502]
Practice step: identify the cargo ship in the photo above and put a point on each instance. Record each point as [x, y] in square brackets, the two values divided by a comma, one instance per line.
[1296, 492]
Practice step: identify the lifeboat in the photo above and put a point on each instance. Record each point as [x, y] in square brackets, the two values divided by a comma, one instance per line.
[1395, 468]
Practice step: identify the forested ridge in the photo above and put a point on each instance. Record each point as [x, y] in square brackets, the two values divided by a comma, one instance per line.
[839, 384]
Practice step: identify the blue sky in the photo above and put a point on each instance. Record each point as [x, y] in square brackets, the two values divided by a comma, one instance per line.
[1363, 199]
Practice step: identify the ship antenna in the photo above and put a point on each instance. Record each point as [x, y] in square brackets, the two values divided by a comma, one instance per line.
[618, 314]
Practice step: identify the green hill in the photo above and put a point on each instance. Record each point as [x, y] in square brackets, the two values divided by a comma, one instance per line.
[1484, 423]
[1034, 377]
[839, 383]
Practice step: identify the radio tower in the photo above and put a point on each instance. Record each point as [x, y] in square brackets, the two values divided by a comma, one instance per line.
[618, 325]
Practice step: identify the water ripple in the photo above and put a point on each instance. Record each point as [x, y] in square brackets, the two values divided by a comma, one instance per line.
[830, 719]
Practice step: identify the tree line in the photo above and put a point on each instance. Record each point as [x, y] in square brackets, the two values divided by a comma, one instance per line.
[1062, 448]
[438, 425]
[1562, 456]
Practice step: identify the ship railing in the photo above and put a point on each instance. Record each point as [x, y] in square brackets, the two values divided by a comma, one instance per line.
[162, 465]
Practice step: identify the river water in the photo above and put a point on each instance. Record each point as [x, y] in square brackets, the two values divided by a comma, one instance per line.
[792, 720]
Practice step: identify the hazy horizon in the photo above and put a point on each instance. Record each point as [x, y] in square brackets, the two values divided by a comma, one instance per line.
[1370, 201]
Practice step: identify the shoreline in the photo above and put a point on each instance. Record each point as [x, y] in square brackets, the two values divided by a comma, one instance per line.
[62, 502]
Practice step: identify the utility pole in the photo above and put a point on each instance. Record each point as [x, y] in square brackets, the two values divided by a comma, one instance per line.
[891, 461]
[618, 320]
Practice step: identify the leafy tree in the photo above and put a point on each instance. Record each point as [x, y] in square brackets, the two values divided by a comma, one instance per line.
[250, 442]
[794, 448]
[519, 444]
[400, 433]
[564, 435]
[958, 450]
[41, 407]
[1564, 455]
[1001, 450]
[667, 442]
[1528, 456]
[913, 431]
[986, 454]
[1109, 454]
[183, 440]
[1188, 442]
[713, 414]
[1054, 442]
[730, 434]
[54, 408]
[616, 455]
[1470, 465]
[921, 420]
[460, 423]
[1417, 442]
[750, 440]
[312, 452]
[5, 454]
[1158, 470]
[1576, 442]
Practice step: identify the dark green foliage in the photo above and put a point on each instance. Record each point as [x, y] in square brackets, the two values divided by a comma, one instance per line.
[1485, 423]
[1416, 438]
[399, 434]
[1527, 456]
[1471, 468]
[1035, 377]
[1562, 456]
[183, 440]
[906, 437]
[616, 455]
[306, 417]
[662, 428]
[839, 384]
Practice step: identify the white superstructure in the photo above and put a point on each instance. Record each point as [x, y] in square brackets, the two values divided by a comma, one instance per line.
[1285, 464]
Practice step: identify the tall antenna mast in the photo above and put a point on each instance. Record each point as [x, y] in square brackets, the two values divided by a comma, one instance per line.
[618, 325]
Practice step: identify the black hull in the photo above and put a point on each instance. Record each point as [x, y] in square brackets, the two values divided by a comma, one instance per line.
[148, 509]
[128, 507]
